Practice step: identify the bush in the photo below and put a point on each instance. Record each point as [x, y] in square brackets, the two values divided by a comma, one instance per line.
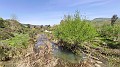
[5, 34]
[111, 35]
[4, 52]
[1, 23]
[74, 30]
[110, 32]
[1, 20]
[20, 41]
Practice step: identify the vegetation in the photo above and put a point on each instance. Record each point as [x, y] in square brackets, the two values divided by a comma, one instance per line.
[96, 38]
[20, 41]
[4, 34]
[110, 32]
[87, 36]
[1, 23]
[74, 31]
[113, 19]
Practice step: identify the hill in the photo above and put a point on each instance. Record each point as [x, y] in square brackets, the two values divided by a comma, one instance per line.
[104, 20]
[9, 27]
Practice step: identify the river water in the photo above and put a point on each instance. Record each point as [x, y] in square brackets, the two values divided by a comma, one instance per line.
[65, 54]
[58, 51]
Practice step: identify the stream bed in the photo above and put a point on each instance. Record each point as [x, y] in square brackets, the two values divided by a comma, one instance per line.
[58, 51]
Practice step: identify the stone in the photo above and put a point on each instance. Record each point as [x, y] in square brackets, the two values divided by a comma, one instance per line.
[99, 62]
[97, 65]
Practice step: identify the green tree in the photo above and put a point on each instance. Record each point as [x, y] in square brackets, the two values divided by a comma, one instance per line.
[1, 23]
[14, 17]
[113, 19]
[74, 30]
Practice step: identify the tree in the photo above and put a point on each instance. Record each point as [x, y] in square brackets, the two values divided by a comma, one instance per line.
[28, 25]
[1, 23]
[113, 19]
[74, 30]
[1, 19]
[14, 17]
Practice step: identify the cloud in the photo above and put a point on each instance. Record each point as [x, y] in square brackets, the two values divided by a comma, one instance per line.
[74, 3]
[89, 2]
[99, 3]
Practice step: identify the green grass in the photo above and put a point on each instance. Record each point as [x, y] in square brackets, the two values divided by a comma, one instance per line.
[20, 40]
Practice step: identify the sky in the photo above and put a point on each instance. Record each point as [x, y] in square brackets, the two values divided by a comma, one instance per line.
[45, 12]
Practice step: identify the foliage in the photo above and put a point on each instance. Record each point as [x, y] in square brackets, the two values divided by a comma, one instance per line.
[5, 34]
[110, 35]
[4, 52]
[75, 30]
[110, 32]
[2, 23]
[14, 25]
[1, 20]
[20, 40]
[113, 19]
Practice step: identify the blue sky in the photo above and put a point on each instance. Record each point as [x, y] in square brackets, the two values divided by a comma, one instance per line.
[42, 12]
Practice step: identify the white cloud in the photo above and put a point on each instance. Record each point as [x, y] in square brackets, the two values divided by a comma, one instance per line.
[91, 2]
[73, 3]
[99, 3]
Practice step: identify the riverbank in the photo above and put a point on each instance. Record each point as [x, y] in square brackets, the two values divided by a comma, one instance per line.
[98, 52]
[91, 56]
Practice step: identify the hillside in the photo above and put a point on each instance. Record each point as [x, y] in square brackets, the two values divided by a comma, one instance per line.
[104, 20]
[9, 27]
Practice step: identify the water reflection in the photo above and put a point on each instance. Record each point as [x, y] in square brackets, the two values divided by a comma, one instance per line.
[57, 51]
[65, 54]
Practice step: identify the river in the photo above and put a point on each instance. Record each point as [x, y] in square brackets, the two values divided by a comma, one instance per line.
[58, 51]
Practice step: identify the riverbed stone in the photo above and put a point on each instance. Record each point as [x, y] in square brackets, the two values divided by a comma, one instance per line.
[99, 62]
[97, 65]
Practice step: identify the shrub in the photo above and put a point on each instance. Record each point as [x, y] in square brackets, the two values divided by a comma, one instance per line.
[74, 30]
[1, 23]
[110, 32]
[4, 52]
[5, 34]
[1, 20]
[20, 40]
[111, 35]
